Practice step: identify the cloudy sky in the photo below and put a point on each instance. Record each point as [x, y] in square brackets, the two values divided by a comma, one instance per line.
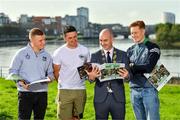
[100, 11]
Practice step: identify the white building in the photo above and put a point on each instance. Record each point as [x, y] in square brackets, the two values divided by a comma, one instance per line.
[82, 11]
[168, 17]
[79, 22]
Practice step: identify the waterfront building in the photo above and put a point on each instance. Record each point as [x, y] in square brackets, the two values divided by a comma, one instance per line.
[168, 17]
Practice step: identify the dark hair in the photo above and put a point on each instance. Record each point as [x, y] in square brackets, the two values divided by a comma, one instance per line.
[35, 31]
[68, 28]
[139, 23]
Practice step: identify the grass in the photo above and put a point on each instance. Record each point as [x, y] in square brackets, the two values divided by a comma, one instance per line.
[169, 102]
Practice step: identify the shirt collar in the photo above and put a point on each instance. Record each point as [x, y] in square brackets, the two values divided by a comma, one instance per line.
[111, 51]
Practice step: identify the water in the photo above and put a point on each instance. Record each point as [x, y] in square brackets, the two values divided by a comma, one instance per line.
[170, 58]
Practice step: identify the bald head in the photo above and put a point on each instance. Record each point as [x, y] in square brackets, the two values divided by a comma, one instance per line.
[106, 39]
[106, 32]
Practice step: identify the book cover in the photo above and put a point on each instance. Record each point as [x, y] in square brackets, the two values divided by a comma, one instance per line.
[82, 70]
[159, 76]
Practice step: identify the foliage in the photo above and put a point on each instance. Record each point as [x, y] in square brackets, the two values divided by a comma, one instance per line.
[175, 33]
[169, 102]
[167, 34]
[12, 31]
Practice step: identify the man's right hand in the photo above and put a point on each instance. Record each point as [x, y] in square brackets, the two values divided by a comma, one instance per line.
[24, 84]
[96, 72]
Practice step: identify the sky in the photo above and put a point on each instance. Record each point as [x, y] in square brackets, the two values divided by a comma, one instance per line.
[100, 11]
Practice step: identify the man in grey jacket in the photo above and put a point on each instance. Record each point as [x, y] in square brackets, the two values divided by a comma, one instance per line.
[32, 63]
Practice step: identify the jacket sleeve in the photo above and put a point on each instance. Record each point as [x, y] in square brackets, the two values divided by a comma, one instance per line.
[154, 55]
[50, 69]
[93, 60]
[16, 64]
[126, 61]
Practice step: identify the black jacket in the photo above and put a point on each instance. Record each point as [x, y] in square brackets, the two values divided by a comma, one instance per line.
[144, 56]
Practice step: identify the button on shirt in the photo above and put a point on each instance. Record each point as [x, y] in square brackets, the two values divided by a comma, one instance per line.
[32, 67]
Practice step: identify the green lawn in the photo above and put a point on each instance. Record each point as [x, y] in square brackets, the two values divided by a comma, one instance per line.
[169, 102]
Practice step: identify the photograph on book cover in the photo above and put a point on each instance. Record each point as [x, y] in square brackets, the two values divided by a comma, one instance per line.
[109, 71]
[159, 76]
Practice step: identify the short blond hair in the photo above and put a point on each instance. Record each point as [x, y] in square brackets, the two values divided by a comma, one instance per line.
[35, 31]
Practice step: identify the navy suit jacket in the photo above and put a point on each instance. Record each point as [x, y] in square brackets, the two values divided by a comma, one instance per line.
[116, 85]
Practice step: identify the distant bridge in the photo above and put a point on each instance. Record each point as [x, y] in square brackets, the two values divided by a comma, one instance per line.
[124, 31]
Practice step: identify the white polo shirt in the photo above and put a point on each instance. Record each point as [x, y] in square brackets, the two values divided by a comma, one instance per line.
[69, 60]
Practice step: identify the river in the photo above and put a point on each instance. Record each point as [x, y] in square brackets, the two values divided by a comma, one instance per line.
[170, 58]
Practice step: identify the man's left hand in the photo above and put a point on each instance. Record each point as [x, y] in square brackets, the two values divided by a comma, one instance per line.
[123, 73]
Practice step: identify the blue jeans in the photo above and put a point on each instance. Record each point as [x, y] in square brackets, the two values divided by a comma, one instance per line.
[145, 103]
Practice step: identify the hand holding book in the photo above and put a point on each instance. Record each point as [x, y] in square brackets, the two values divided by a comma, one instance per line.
[94, 73]
[87, 67]
[123, 73]
[24, 84]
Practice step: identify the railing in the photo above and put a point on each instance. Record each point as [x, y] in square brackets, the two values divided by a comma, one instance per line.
[4, 71]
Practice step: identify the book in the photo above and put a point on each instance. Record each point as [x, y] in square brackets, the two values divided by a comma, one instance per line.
[16, 78]
[159, 76]
[40, 81]
[109, 71]
[82, 70]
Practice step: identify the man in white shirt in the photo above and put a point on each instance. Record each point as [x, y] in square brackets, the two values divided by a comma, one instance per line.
[66, 60]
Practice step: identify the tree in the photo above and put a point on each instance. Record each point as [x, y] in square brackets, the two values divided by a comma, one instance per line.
[163, 34]
[175, 33]
[12, 31]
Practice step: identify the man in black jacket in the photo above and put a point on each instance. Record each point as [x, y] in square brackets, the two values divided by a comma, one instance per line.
[143, 56]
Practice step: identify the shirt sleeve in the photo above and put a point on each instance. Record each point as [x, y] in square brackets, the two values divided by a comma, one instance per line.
[56, 58]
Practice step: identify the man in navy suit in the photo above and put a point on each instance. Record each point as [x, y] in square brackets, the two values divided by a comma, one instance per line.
[109, 95]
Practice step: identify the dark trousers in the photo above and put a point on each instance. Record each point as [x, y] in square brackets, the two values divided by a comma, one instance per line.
[32, 101]
[110, 105]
